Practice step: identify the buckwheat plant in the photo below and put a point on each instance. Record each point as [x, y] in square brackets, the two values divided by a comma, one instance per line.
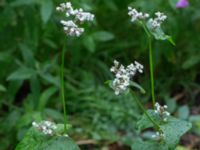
[167, 130]
[71, 25]
[46, 134]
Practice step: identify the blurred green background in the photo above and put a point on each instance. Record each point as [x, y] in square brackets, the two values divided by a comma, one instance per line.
[31, 40]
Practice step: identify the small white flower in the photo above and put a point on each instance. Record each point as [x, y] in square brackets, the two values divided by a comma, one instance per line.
[75, 17]
[156, 22]
[46, 127]
[123, 75]
[158, 135]
[161, 110]
[135, 15]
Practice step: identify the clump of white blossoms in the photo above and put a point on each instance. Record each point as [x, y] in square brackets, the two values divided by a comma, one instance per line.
[135, 15]
[123, 75]
[139, 16]
[46, 127]
[75, 17]
[159, 135]
[161, 110]
[160, 18]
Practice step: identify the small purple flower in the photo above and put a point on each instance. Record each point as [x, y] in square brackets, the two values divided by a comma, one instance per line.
[182, 4]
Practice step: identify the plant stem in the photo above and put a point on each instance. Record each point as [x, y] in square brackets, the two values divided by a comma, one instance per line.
[63, 88]
[145, 112]
[150, 63]
[151, 72]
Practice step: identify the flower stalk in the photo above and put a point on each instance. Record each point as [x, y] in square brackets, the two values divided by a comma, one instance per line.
[151, 66]
[151, 71]
[62, 66]
[72, 27]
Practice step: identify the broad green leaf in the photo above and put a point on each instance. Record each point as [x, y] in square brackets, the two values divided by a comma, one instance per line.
[144, 122]
[60, 143]
[2, 88]
[183, 112]
[173, 130]
[46, 10]
[148, 145]
[103, 36]
[158, 33]
[35, 140]
[89, 43]
[22, 74]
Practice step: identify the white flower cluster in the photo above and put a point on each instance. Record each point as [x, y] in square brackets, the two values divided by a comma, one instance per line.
[71, 27]
[135, 15]
[159, 135]
[161, 110]
[123, 75]
[160, 18]
[46, 127]
[155, 22]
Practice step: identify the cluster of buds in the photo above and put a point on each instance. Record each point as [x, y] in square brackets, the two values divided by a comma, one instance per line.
[46, 127]
[161, 110]
[135, 15]
[76, 16]
[123, 75]
[156, 22]
[159, 135]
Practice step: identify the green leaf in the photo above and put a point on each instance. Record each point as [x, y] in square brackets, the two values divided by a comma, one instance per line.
[60, 128]
[134, 84]
[46, 10]
[173, 130]
[193, 60]
[50, 79]
[2, 88]
[89, 43]
[22, 74]
[27, 55]
[171, 103]
[144, 122]
[103, 36]
[181, 148]
[46, 96]
[148, 145]
[183, 112]
[35, 140]
[22, 2]
[158, 33]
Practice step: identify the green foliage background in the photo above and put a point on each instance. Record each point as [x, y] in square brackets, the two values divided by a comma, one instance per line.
[31, 39]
